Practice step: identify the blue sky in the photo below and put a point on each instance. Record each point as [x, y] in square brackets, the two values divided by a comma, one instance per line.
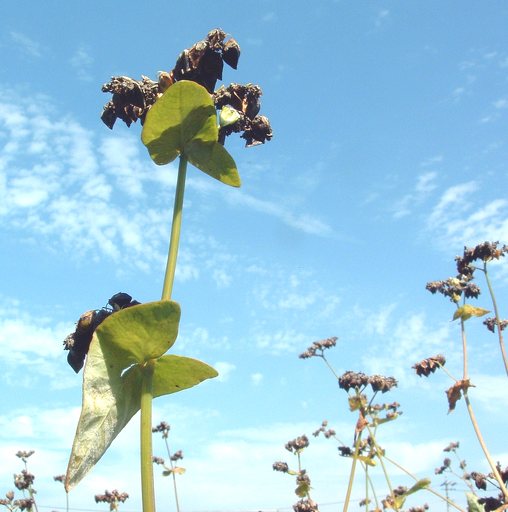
[389, 155]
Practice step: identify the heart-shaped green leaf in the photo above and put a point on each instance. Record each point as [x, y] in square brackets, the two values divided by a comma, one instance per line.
[139, 333]
[183, 122]
[113, 375]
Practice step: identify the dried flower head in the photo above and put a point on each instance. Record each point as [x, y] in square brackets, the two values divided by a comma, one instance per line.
[163, 428]
[78, 342]
[353, 380]
[112, 497]
[491, 323]
[24, 480]
[177, 456]
[318, 347]
[454, 287]
[280, 466]
[429, 365]
[452, 447]
[201, 63]
[381, 383]
[305, 505]
[298, 444]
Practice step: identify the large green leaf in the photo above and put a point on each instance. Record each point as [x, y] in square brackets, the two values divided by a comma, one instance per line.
[183, 121]
[140, 333]
[113, 374]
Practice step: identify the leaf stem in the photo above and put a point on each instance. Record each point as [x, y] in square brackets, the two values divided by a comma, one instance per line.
[147, 486]
[169, 277]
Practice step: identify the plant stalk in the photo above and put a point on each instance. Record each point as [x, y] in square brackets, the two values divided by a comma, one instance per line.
[486, 452]
[496, 313]
[147, 482]
[147, 486]
[169, 277]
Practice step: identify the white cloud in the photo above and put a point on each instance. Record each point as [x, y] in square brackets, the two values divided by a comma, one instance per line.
[501, 103]
[26, 44]
[34, 344]
[256, 378]
[82, 62]
[282, 341]
[457, 219]
[225, 370]
[425, 184]
[302, 222]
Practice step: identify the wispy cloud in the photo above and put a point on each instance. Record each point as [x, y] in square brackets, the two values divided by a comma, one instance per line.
[32, 343]
[425, 184]
[99, 196]
[301, 221]
[82, 63]
[460, 218]
[26, 44]
[382, 17]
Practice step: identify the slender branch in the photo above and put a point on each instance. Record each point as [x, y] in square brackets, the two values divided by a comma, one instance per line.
[465, 372]
[147, 487]
[329, 366]
[173, 475]
[486, 452]
[352, 473]
[498, 319]
[169, 277]
[432, 491]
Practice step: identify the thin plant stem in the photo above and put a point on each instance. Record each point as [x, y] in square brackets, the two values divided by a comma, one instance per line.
[486, 452]
[173, 475]
[147, 485]
[465, 372]
[498, 322]
[147, 481]
[169, 277]
[329, 366]
[432, 491]
[474, 422]
[352, 473]
[383, 467]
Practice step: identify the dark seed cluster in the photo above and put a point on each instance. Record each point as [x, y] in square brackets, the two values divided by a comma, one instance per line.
[163, 428]
[455, 287]
[22, 504]
[358, 380]
[491, 323]
[111, 497]
[24, 480]
[78, 342]
[298, 444]
[202, 63]
[280, 466]
[318, 347]
[305, 505]
[486, 251]
[429, 365]
[323, 430]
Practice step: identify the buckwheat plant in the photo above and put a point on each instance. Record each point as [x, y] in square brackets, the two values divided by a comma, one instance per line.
[460, 290]
[113, 498]
[163, 428]
[362, 391]
[125, 343]
[24, 483]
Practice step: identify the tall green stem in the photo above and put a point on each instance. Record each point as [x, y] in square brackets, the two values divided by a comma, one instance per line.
[147, 486]
[147, 483]
[175, 230]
